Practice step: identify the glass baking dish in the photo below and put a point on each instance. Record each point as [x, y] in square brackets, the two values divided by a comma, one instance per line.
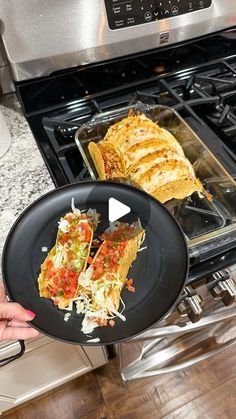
[201, 220]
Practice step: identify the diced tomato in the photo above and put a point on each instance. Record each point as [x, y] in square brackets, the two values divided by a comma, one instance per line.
[112, 323]
[62, 272]
[103, 322]
[70, 217]
[64, 281]
[100, 322]
[99, 259]
[65, 237]
[129, 283]
[49, 267]
[56, 280]
[114, 259]
[103, 250]
[87, 236]
[90, 260]
[120, 247]
[98, 273]
[86, 229]
[73, 274]
[49, 264]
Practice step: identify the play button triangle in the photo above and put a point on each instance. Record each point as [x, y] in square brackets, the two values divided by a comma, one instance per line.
[116, 209]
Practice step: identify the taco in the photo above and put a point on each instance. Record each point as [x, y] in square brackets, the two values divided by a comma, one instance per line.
[147, 155]
[58, 279]
[107, 160]
[108, 271]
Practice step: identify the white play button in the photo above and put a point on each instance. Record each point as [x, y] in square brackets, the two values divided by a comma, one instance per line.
[117, 209]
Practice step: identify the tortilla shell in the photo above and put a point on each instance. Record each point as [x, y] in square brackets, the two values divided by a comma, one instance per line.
[178, 189]
[113, 161]
[128, 258]
[98, 161]
[43, 282]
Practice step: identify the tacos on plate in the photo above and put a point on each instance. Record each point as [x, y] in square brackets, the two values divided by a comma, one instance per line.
[99, 294]
[60, 270]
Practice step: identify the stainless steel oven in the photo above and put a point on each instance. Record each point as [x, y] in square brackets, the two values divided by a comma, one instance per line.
[72, 60]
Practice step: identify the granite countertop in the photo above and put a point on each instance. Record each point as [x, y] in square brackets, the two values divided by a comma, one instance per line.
[23, 173]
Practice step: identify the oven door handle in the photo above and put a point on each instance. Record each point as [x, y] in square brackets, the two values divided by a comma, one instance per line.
[12, 358]
[176, 330]
[181, 365]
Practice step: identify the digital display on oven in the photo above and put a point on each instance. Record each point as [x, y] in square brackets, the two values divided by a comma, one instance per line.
[125, 13]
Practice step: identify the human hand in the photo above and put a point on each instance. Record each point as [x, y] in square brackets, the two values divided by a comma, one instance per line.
[13, 319]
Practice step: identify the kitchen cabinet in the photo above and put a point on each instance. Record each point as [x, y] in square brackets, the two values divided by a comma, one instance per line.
[45, 365]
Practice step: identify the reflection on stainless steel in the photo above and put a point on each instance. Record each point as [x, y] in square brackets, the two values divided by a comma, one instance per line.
[41, 37]
[129, 375]
[178, 343]
[191, 305]
[226, 290]
[190, 327]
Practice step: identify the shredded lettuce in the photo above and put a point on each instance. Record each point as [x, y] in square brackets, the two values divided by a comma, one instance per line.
[95, 340]
[75, 210]
[67, 316]
[63, 225]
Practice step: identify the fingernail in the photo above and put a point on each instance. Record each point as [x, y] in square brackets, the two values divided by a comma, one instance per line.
[31, 314]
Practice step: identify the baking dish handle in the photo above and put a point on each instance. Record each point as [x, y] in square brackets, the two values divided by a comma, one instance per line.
[12, 358]
[120, 112]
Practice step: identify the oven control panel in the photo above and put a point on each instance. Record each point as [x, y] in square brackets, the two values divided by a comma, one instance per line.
[125, 13]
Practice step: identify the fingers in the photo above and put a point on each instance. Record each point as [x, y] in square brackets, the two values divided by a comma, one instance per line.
[15, 311]
[16, 333]
[17, 323]
[2, 292]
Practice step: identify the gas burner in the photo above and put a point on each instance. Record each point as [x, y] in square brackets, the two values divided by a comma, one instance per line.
[201, 91]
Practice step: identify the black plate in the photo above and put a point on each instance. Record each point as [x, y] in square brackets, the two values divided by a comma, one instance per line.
[159, 272]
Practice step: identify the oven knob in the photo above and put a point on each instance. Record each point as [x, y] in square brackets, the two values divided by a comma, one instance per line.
[174, 10]
[225, 290]
[148, 16]
[192, 306]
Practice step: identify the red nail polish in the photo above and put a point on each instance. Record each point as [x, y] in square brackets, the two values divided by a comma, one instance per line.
[31, 314]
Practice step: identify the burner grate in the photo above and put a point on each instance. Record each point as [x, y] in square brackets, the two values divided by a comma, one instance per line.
[192, 79]
[197, 80]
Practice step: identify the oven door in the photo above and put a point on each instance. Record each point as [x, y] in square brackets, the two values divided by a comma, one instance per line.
[170, 348]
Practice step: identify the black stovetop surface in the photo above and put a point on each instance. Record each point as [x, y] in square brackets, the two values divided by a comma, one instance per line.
[198, 80]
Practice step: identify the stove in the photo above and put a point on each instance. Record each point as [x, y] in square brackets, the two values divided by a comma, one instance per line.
[79, 70]
[197, 80]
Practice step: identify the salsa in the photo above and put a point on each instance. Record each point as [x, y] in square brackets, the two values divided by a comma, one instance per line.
[63, 269]
[108, 259]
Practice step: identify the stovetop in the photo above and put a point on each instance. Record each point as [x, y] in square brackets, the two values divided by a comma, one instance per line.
[198, 80]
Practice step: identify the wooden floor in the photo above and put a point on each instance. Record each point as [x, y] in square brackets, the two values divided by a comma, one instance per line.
[207, 390]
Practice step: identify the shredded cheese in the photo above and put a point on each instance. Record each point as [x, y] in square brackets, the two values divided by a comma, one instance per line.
[67, 316]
